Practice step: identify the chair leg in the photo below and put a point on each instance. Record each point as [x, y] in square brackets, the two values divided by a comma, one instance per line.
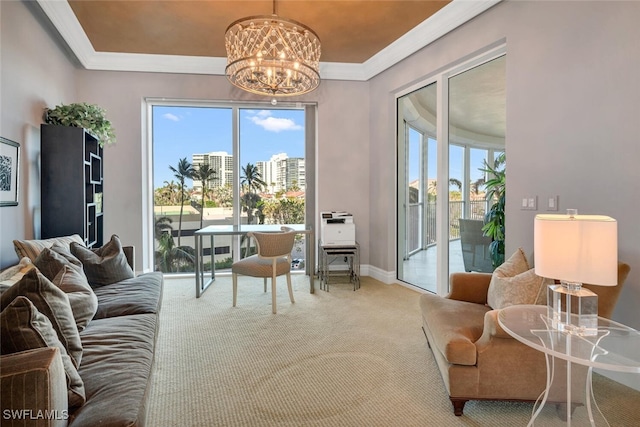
[273, 292]
[235, 287]
[289, 286]
[265, 284]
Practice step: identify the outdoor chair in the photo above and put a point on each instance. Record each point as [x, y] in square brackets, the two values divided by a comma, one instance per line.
[273, 259]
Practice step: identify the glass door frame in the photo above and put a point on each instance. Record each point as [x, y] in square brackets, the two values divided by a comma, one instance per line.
[442, 139]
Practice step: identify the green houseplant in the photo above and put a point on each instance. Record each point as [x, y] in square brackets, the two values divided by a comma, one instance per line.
[87, 116]
[494, 218]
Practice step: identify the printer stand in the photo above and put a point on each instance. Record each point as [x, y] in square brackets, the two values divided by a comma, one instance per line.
[329, 253]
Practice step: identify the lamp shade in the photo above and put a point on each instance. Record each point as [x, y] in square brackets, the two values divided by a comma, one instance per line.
[577, 248]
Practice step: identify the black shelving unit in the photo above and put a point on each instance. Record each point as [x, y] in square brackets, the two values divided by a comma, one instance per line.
[71, 184]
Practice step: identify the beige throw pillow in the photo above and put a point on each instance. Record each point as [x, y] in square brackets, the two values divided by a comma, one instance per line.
[514, 282]
[32, 248]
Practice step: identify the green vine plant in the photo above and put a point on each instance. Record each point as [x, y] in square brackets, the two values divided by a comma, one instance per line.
[494, 219]
[83, 115]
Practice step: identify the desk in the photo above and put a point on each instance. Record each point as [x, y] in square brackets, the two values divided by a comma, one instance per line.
[614, 348]
[235, 230]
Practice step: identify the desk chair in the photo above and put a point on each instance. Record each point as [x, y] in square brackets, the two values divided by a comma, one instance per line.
[273, 259]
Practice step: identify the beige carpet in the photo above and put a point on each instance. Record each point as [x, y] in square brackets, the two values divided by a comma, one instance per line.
[338, 358]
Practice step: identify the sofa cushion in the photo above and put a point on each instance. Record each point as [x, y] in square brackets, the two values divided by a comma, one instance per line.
[82, 299]
[23, 328]
[53, 303]
[138, 295]
[515, 265]
[31, 248]
[116, 370]
[104, 265]
[455, 326]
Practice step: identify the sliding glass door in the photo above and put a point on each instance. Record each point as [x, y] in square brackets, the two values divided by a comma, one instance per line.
[449, 130]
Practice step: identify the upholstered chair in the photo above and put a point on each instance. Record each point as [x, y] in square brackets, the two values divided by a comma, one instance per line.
[273, 259]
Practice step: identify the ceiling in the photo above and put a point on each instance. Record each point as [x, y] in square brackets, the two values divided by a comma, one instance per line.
[359, 38]
[350, 31]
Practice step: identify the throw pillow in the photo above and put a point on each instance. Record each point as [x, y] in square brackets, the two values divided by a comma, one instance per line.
[53, 303]
[523, 288]
[83, 301]
[23, 327]
[104, 265]
[31, 248]
[13, 274]
[515, 265]
[50, 262]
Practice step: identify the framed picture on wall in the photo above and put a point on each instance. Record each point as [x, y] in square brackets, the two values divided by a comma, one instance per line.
[9, 163]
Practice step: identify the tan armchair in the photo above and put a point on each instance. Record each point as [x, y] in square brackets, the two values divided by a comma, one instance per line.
[273, 259]
[477, 359]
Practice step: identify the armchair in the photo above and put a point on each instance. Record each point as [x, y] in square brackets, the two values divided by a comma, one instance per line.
[477, 359]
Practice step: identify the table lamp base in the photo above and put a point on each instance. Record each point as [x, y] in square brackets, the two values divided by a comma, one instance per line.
[573, 309]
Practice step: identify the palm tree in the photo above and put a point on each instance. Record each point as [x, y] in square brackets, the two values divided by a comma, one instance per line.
[182, 172]
[252, 178]
[162, 226]
[169, 257]
[249, 203]
[204, 173]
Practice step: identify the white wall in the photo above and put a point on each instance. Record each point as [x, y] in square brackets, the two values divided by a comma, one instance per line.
[34, 73]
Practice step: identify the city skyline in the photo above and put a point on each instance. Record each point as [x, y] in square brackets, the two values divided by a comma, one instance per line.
[179, 132]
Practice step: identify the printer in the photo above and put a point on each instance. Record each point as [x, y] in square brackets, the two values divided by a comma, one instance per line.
[337, 229]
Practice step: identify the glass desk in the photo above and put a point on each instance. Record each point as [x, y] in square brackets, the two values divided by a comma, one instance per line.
[616, 347]
[234, 230]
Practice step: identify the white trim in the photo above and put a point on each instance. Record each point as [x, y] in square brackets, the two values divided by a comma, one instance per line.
[386, 277]
[445, 20]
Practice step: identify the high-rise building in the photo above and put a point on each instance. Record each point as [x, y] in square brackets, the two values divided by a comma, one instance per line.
[219, 161]
[280, 173]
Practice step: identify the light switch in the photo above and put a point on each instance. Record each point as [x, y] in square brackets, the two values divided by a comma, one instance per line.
[552, 203]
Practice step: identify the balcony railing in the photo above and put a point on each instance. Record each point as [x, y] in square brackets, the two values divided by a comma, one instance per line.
[421, 225]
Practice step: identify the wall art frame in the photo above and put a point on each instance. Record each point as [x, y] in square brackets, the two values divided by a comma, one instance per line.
[9, 172]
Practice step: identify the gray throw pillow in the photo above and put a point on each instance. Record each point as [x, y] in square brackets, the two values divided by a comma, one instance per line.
[83, 301]
[23, 327]
[104, 265]
[53, 303]
[49, 261]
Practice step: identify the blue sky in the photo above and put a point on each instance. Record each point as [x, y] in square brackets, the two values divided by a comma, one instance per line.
[476, 157]
[182, 131]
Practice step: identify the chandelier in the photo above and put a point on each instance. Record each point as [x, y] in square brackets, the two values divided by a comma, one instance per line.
[274, 56]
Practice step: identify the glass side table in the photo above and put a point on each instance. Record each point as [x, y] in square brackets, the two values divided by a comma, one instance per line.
[616, 347]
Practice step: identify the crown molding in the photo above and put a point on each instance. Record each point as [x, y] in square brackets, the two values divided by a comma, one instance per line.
[445, 20]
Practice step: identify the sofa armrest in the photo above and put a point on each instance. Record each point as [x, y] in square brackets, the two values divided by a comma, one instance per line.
[470, 287]
[129, 253]
[34, 388]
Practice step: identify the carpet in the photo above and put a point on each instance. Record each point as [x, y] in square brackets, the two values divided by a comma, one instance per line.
[338, 358]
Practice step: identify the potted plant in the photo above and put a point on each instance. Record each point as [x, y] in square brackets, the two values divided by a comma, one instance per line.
[494, 218]
[87, 116]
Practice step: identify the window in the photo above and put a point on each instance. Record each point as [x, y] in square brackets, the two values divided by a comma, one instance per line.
[216, 163]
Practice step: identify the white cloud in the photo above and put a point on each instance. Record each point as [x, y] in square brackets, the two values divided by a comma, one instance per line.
[269, 123]
[171, 117]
